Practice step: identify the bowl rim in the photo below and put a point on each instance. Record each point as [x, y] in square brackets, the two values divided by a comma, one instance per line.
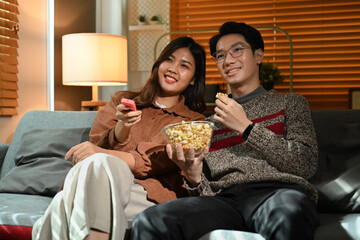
[188, 122]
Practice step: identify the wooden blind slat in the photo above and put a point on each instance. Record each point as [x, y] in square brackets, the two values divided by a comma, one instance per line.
[8, 33]
[11, 77]
[8, 59]
[8, 50]
[15, 2]
[8, 102]
[7, 24]
[8, 94]
[8, 86]
[9, 7]
[8, 111]
[9, 42]
[11, 16]
[9, 68]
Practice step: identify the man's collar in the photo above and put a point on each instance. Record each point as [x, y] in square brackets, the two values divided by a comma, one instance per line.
[257, 92]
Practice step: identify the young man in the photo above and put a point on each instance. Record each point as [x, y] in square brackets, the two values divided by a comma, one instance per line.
[263, 151]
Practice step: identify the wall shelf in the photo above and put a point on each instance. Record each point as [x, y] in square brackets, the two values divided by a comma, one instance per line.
[148, 27]
[142, 38]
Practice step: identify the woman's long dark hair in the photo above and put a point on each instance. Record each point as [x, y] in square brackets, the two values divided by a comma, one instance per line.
[194, 94]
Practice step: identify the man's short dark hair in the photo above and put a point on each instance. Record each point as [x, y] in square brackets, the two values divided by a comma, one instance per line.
[251, 35]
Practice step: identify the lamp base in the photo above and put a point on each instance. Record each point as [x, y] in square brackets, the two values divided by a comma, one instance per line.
[92, 105]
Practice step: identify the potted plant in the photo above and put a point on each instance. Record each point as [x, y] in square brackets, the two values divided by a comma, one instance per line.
[154, 19]
[269, 75]
[142, 19]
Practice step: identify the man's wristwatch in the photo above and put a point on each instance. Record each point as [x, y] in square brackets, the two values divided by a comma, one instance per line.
[247, 131]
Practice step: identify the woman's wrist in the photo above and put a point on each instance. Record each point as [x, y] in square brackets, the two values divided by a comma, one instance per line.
[121, 132]
[125, 156]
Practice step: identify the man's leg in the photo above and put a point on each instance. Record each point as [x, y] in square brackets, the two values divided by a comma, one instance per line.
[186, 218]
[287, 214]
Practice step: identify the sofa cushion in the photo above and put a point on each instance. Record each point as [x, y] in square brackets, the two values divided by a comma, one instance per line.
[338, 178]
[222, 234]
[44, 119]
[338, 227]
[343, 191]
[40, 165]
[19, 212]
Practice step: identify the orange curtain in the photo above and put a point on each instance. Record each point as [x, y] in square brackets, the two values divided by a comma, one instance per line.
[8, 57]
[325, 36]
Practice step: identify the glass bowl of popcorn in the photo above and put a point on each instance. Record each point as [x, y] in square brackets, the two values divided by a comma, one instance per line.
[193, 133]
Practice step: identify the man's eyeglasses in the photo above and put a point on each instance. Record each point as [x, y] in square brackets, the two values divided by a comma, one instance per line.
[235, 51]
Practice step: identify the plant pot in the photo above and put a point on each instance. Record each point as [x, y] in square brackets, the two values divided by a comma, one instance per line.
[153, 22]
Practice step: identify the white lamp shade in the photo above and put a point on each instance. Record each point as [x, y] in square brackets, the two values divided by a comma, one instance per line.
[90, 59]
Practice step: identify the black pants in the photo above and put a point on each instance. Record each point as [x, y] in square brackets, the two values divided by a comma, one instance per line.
[275, 211]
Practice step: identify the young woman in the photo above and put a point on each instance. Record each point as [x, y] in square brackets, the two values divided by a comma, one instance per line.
[124, 169]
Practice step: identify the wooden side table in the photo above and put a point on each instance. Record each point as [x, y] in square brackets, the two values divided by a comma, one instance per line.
[92, 105]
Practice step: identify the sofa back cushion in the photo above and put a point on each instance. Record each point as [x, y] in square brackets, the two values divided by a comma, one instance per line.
[40, 165]
[44, 119]
[338, 174]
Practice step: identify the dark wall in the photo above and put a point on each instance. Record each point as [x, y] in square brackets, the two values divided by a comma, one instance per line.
[71, 16]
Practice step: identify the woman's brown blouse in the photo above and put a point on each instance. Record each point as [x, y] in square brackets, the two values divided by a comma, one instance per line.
[153, 169]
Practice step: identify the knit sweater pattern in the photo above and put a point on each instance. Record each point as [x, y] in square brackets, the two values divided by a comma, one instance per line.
[281, 148]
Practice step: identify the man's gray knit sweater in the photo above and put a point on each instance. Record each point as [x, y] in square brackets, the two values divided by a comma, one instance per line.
[281, 148]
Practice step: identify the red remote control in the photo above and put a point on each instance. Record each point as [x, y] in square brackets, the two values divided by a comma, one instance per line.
[129, 103]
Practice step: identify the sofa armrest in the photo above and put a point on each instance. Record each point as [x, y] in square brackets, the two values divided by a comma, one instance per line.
[3, 150]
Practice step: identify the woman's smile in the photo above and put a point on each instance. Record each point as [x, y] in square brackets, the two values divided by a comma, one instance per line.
[169, 79]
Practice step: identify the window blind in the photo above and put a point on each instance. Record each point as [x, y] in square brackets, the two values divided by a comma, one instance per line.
[8, 57]
[325, 36]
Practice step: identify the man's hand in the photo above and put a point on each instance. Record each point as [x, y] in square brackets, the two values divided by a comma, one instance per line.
[82, 151]
[190, 165]
[231, 114]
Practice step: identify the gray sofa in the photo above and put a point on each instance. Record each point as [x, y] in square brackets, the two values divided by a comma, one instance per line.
[21, 207]
[32, 169]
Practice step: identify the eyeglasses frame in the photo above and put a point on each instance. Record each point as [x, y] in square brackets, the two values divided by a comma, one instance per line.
[213, 56]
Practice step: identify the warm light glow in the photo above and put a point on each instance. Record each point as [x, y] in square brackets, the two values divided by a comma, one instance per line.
[94, 59]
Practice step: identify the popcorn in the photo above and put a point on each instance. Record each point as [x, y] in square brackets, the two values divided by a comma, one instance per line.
[220, 94]
[196, 134]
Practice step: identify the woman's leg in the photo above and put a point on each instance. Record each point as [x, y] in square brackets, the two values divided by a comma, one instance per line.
[43, 228]
[99, 207]
[80, 205]
[138, 203]
[186, 218]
